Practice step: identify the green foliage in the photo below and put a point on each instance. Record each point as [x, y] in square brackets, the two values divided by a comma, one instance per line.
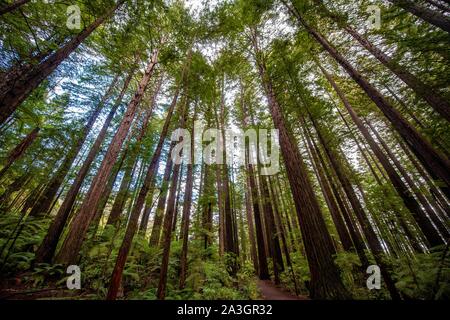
[300, 269]
[19, 238]
[425, 277]
[351, 272]
[209, 279]
[99, 255]
[347, 263]
[217, 284]
[225, 66]
[354, 276]
[44, 272]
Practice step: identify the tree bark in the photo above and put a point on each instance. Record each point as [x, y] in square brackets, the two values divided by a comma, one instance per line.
[352, 226]
[13, 6]
[428, 15]
[159, 214]
[17, 89]
[177, 204]
[281, 231]
[167, 238]
[425, 225]
[338, 221]
[19, 150]
[366, 155]
[47, 248]
[205, 200]
[167, 228]
[124, 191]
[372, 239]
[220, 203]
[229, 241]
[402, 190]
[436, 164]
[442, 200]
[131, 163]
[72, 244]
[262, 267]
[434, 98]
[325, 278]
[271, 232]
[46, 199]
[109, 187]
[251, 226]
[187, 202]
[138, 205]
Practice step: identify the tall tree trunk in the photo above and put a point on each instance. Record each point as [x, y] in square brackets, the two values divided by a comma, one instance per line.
[271, 232]
[425, 225]
[440, 6]
[443, 202]
[146, 213]
[72, 244]
[13, 6]
[167, 228]
[428, 15]
[229, 243]
[17, 89]
[372, 239]
[436, 164]
[281, 231]
[31, 200]
[338, 221]
[434, 98]
[131, 163]
[47, 248]
[325, 278]
[366, 155]
[263, 270]
[402, 190]
[418, 122]
[262, 267]
[138, 205]
[356, 236]
[19, 150]
[228, 214]
[207, 205]
[177, 204]
[251, 226]
[161, 206]
[46, 199]
[124, 191]
[286, 215]
[167, 238]
[109, 187]
[15, 186]
[187, 202]
[220, 202]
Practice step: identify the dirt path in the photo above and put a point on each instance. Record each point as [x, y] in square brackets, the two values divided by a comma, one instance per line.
[269, 291]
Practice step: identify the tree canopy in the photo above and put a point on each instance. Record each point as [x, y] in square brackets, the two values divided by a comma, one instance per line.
[349, 104]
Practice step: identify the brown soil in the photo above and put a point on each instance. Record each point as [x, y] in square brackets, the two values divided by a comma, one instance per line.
[270, 291]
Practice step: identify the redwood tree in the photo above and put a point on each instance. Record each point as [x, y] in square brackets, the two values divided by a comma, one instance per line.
[80, 224]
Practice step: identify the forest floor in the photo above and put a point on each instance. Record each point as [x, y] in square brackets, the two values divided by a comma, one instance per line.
[270, 291]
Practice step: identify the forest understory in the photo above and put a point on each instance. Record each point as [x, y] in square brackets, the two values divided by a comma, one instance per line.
[224, 150]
